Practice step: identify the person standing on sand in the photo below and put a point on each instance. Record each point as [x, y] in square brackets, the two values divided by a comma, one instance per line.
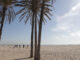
[23, 46]
[19, 46]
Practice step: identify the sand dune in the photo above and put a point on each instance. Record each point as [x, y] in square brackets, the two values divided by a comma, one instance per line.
[47, 53]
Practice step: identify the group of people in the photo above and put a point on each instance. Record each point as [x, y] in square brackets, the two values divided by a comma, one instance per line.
[20, 46]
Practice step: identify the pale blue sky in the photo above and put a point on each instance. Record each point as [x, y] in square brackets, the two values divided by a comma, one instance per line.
[63, 29]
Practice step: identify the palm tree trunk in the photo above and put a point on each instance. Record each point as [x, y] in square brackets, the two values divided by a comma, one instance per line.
[3, 18]
[31, 53]
[40, 31]
[35, 55]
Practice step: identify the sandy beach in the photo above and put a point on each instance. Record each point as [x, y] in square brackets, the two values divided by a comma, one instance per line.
[47, 53]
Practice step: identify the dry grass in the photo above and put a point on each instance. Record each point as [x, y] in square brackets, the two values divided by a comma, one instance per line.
[47, 53]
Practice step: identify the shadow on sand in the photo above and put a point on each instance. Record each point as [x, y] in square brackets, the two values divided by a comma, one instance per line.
[21, 58]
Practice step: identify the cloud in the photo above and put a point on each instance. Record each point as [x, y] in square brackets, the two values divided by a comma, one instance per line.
[69, 19]
[76, 7]
[75, 10]
[75, 34]
[68, 25]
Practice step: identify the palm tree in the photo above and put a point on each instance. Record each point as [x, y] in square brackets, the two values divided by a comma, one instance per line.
[35, 11]
[7, 12]
[45, 11]
[40, 28]
[29, 12]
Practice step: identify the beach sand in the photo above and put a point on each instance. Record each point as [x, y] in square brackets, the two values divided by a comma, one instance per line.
[9, 52]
